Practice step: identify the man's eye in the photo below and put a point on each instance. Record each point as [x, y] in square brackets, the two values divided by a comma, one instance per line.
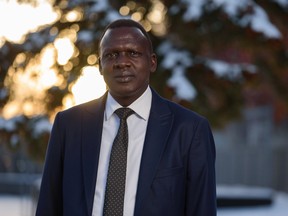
[111, 55]
[134, 53]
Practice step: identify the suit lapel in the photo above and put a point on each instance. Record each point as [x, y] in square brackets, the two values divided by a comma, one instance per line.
[158, 129]
[92, 123]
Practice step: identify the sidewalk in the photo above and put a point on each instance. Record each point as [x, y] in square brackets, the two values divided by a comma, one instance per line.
[15, 205]
[279, 207]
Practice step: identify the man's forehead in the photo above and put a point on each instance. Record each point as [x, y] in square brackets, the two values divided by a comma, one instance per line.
[124, 33]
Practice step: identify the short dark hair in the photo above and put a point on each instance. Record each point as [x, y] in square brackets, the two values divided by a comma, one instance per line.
[127, 23]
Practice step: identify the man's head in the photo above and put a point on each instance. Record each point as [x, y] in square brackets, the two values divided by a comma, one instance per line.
[126, 60]
[128, 23]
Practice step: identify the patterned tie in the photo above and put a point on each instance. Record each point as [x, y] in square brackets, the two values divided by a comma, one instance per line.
[115, 186]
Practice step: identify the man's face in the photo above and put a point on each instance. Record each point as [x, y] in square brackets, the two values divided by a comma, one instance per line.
[126, 63]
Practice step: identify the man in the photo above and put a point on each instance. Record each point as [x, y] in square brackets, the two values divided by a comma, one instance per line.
[171, 153]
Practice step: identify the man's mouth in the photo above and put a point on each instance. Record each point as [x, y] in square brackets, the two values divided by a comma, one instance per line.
[124, 78]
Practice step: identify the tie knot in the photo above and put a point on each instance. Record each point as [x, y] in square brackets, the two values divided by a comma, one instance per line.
[124, 113]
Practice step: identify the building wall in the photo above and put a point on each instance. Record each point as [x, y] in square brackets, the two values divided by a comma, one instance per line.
[253, 151]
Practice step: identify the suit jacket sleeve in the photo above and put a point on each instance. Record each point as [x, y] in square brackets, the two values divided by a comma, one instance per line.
[50, 197]
[201, 186]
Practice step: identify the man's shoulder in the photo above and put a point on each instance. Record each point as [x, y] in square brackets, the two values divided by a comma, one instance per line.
[181, 111]
[92, 106]
[178, 110]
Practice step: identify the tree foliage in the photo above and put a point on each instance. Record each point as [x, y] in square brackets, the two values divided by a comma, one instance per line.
[196, 45]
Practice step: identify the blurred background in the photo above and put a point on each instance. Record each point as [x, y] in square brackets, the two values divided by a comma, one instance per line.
[227, 60]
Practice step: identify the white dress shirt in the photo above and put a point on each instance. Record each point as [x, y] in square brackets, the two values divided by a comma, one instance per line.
[137, 124]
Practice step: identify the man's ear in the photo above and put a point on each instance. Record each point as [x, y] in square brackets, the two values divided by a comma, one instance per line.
[153, 63]
[100, 67]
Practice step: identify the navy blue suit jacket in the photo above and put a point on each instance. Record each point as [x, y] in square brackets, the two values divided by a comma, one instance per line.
[177, 172]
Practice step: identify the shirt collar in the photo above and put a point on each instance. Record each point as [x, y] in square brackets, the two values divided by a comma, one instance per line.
[141, 106]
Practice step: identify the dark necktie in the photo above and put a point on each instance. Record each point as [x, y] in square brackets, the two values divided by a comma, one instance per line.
[115, 186]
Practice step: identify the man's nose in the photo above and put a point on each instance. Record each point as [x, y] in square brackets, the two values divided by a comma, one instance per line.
[122, 60]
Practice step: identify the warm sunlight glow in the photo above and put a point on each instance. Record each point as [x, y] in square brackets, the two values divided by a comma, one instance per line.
[92, 59]
[25, 85]
[137, 16]
[157, 18]
[19, 19]
[29, 84]
[124, 10]
[73, 16]
[90, 85]
[65, 50]
[48, 56]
